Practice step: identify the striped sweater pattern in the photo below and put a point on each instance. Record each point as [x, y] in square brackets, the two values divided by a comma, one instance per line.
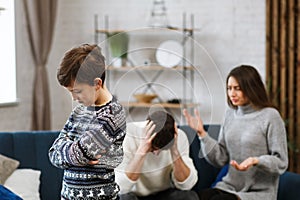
[90, 132]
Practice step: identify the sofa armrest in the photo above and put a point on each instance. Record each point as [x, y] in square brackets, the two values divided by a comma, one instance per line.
[289, 186]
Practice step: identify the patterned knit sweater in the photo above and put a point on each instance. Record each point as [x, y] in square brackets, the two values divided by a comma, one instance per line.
[88, 133]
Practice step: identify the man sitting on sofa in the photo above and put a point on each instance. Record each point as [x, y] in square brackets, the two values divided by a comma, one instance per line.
[156, 162]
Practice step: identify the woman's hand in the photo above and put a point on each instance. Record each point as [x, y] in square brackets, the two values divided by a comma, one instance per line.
[195, 122]
[245, 165]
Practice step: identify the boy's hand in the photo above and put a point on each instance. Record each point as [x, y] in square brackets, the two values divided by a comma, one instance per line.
[96, 161]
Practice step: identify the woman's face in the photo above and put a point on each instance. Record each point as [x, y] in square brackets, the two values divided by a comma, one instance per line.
[235, 93]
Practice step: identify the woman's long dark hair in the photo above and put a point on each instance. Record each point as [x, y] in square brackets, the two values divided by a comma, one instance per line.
[251, 85]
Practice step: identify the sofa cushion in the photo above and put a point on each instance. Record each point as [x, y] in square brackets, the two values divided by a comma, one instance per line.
[6, 194]
[25, 183]
[7, 167]
[220, 176]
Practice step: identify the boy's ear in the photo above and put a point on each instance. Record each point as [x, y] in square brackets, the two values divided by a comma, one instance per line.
[98, 82]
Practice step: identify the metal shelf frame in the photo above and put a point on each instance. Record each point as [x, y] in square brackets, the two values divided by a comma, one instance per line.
[187, 36]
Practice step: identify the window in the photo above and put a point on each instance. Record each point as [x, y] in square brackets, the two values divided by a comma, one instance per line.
[7, 53]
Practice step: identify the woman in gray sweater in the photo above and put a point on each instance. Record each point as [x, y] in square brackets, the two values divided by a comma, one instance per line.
[252, 141]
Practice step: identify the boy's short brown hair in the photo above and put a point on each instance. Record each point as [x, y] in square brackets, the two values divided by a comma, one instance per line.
[82, 64]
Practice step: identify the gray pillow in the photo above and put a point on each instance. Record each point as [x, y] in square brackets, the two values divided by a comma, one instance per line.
[7, 167]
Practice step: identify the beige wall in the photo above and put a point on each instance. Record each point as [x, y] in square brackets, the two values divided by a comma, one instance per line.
[232, 32]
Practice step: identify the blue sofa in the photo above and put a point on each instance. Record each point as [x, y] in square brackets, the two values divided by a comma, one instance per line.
[31, 149]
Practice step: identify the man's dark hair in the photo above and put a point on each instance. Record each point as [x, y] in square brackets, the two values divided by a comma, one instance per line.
[164, 127]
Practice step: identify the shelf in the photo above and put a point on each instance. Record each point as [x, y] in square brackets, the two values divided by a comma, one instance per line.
[149, 74]
[165, 105]
[150, 68]
[106, 31]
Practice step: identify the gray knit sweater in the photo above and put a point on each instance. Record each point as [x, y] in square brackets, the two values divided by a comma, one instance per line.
[250, 133]
[89, 132]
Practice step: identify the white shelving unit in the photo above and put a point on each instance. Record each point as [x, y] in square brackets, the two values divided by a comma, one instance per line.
[185, 68]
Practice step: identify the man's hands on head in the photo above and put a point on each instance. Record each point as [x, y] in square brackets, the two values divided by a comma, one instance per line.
[146, 143]
[180, 170]
[174, 148]
[134, 167]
